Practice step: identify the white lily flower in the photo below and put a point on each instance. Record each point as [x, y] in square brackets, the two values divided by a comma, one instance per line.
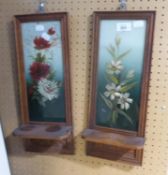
[115, 67]
[48, 89]
[124, 101]
[112, 91]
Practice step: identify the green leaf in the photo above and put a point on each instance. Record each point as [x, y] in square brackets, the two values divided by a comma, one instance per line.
[128, 87]
[113, 79]
[114, 117]
[127, 81]
[125, 115]
[112, 51]
[120, 57]
[107, 101]
[39, 57]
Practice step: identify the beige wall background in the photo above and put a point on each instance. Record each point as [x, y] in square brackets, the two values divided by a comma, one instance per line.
[80, 26]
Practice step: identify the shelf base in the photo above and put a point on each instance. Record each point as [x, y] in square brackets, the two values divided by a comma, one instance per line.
[112, 146]
[46, 138]
[128, 142]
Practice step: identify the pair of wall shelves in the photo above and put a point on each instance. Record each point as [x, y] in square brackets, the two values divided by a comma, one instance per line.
[119, 89]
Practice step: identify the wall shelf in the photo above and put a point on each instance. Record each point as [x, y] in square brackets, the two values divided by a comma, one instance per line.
[129, 142]
[34, 131]
[46, 138]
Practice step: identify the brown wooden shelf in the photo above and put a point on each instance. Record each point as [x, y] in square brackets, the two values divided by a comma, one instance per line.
[129, 142]
[44, 132]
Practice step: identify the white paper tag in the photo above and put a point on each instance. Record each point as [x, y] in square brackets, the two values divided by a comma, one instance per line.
[124, 27]
[138, 24]
[46, 36]
[39, 28]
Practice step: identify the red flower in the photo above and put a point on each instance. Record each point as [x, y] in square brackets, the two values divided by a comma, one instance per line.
[41, 43]
[51, 31]
[39, 70]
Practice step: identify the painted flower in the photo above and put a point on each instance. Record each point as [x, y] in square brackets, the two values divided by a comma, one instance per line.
[115, 67]
[48, 89]
[41, 43]
[112, 91]
[130, 74]
[124, 101]
[46, 36]
[117, 40]
[39, 70]
[51, 31]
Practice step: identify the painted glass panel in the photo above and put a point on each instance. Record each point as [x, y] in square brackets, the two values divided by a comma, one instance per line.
[44, 71]
[120, 66]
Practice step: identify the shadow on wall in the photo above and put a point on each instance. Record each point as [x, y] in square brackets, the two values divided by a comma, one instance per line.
[81, 158]
[16, 149]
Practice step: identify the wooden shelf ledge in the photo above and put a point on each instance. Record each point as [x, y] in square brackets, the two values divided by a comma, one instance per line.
[46, 132]
[128, 142]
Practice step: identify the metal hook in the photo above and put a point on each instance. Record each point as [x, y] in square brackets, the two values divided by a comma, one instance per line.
[41, 7]
[123, 5]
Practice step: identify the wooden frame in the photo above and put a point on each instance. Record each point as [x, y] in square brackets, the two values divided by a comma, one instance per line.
[44, 36]
[114, 142]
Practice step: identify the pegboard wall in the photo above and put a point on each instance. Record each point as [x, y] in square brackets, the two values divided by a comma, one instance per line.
[80, 26]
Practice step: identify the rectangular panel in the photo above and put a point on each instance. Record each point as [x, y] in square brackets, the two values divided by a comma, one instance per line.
[43, 67]
[43, 62]
[120, 66]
